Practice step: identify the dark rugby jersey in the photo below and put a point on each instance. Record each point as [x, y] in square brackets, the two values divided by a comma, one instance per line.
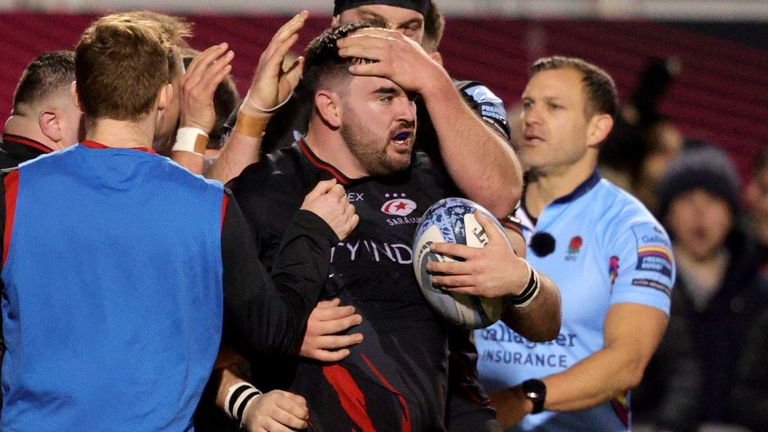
[396, 379]
[16, 149]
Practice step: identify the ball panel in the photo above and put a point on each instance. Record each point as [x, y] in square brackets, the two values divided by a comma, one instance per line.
[452, 220]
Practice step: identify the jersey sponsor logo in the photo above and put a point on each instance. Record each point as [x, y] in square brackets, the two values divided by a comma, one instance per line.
[354, 196]
[369, 250]
[574, 247]
[398, 206]
[525, 359]
[649, 283]
[655, 258]
[653, 251]
[613, 269]
[502, 333]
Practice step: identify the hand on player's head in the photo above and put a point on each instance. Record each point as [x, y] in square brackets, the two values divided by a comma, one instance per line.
[393, 56]
[329, 201]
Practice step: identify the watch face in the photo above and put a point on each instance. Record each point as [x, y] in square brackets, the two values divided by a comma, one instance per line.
[533, 388]
[536, 391]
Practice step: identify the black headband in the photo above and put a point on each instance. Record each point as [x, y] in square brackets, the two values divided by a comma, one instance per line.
[420, 6]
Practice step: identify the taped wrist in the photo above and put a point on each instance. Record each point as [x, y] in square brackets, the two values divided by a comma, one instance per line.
[530, 291]
[239, 397]
[191, 139]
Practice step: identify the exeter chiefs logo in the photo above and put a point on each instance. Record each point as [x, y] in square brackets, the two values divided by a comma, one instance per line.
[398, 206]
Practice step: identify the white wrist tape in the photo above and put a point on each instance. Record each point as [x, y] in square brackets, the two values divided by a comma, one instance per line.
[247, 101]
[239, 396]
[186, 138]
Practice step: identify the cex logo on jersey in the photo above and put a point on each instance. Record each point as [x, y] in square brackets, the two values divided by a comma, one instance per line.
[398, 206]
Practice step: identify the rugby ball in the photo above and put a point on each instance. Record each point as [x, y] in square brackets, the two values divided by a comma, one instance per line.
[452, 220]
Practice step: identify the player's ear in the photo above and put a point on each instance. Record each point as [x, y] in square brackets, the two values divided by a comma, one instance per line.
[328, 104]
[165, 96]
[599, 127]
[49, 121]
[75, 96]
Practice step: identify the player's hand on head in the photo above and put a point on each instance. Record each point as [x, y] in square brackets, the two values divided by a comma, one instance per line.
[321, 340]
[394, 56]
[329, 201]
[276, 411]
[273, 81]
[198, 85]
[492, 271]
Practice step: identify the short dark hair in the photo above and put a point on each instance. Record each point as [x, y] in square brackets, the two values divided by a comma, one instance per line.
[121, 64]
[599, 86]
[321, 58]
[47, 74]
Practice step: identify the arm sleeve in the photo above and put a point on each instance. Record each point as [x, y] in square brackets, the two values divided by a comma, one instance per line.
[642, 266]
[487, 105]
[264, 315]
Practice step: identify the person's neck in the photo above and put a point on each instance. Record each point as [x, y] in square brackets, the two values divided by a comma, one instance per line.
[708, 269]
[27, 128]
[546, 185]
[122, 133]
[329, 146]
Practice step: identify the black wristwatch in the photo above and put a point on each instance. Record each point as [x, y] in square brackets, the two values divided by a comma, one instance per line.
[536, 391]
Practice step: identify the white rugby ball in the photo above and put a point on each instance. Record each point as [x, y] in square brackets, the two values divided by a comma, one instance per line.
[452, 220]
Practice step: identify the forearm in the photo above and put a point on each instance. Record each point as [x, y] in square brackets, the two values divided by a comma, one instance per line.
[194, 162]
[604, 375]
[238, 152]
[539, 321]
[227, 377]
[267, 315]
[589, 383]
[480, 162]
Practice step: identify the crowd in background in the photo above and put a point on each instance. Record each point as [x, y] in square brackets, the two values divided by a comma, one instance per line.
[707, 370]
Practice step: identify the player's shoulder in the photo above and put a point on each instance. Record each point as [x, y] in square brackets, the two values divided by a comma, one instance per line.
[620, 204]
[279, 180]
[624, 214]
[485, 102]
[279, 169]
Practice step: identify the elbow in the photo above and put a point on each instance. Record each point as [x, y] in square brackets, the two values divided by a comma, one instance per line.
[501, 201]
[631, 377]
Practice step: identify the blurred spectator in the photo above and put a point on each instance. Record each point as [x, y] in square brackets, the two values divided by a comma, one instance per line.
[750, 401]
[662, 142]
[718, 293]
[756, 200]
[643, 141]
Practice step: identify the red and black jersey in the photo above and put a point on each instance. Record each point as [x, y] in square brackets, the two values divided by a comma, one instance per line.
[15, 149]
[397, 378]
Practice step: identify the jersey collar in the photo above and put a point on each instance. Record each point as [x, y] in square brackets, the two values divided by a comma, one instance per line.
[98, 146]
[321, 164]
[577, 193]
[28, 142]
[581, 189]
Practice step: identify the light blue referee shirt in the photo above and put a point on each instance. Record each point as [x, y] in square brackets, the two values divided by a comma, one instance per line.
[608, 249]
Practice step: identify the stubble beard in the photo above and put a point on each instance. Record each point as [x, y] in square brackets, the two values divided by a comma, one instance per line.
[366, 146]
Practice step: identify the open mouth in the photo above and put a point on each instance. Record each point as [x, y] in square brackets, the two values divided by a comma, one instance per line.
[403, 138]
